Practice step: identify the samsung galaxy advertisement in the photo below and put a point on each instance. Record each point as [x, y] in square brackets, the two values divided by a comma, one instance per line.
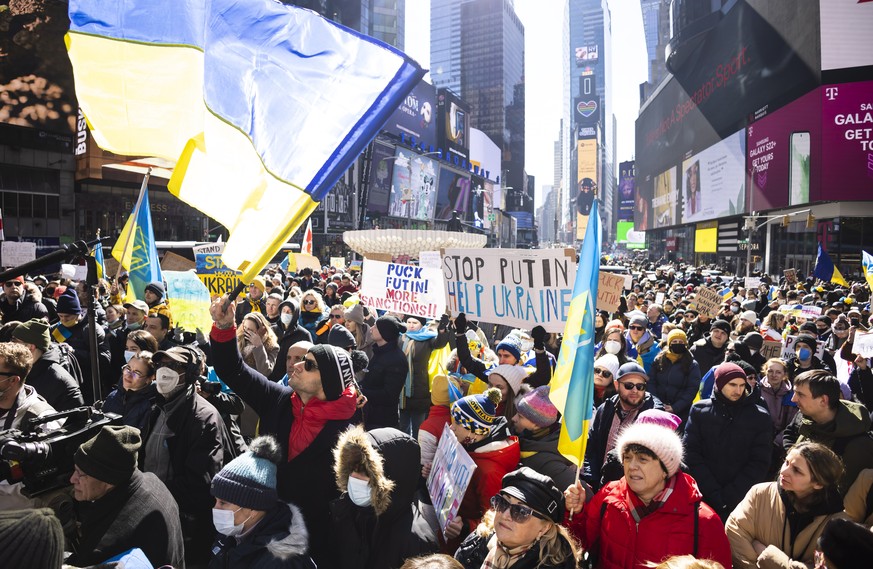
[713, 181]
[847, 141]
[413, 186]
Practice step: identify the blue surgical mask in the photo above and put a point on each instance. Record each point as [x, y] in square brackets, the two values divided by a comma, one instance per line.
[803, 354]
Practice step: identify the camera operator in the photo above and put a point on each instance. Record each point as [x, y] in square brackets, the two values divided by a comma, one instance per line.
[17, 400]
[118, 507]
[47, 375]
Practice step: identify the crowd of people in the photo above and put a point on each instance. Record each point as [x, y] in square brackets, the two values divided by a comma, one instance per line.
[301, 429]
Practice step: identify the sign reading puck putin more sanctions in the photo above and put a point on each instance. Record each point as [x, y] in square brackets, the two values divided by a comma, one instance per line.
[406, 289]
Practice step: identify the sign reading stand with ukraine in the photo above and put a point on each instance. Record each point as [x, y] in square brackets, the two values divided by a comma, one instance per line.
[261, 105]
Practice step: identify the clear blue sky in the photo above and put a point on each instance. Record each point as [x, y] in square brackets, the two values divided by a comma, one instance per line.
[541, 19]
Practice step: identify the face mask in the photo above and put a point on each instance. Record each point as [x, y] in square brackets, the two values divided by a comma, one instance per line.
[735, 309]
[286, 318]
[128, 354]
[223, 522]
[855, 321]
[803, 354]
[359, 492]
[678, 348]
[166, 380]
[134, 326]
[612, 347]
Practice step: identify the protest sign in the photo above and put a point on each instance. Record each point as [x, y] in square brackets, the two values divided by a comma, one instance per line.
[628, 282]
[516, 287]
[708, 301]
[789, 348]
[790, 276]
[403, 288]
[299, 261]
[173, 262]
[16, 253]
[189, 300]
[863, 345]
[74, 272]
[752, 282]
[659, 298]
[338, 262]
[356, 265]
[211, 270]
[810, 312]
[609, 288]
[450, 474]
[430, 259]
[771, 349]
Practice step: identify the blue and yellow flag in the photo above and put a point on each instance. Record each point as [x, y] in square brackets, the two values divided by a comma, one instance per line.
[726, 293]
[101, 262]
[572, 387]
[138, 254]
[867, 265]
[825, 268]
[261, 105]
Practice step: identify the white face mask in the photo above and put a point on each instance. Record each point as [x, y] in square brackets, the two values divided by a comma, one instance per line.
[128, 354]
[223, 522]
[359, 492]
[286, 318]
[612, 347]
[166, 380]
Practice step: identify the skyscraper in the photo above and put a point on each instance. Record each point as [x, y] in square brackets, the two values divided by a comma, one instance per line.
[656, 26]
[445, 44]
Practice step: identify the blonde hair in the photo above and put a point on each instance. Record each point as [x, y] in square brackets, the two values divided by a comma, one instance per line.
[685, 562]
[319, 301]
[556, 543]
[270, 339]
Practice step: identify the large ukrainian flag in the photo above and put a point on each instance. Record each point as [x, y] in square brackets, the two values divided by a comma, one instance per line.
[262, 105]
[572, 386]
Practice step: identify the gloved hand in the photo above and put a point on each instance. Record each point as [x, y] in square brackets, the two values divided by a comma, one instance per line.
[444, 322]
[460, 323]
[539, 335]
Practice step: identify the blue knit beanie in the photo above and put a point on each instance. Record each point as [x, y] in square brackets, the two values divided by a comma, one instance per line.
[477, 413]
[249, 480]
[512, 345]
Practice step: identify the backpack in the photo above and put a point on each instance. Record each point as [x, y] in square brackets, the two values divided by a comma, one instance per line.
[70, 363]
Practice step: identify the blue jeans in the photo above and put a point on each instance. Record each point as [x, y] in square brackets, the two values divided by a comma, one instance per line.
[410, 421]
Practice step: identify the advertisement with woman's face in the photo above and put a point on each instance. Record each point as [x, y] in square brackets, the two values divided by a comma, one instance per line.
[714, 180]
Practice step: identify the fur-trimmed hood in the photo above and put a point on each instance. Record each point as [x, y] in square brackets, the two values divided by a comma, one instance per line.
[297, 540]
[389, 457]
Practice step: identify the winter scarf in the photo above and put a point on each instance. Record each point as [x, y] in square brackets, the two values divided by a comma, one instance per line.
[310, 419]
[422, 335]
[500, 557]
[639, 510]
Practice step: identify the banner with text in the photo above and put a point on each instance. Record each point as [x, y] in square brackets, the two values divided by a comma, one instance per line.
[403, 288]
[190, 300]
[515, 287]
[609, 289]
[211, 270]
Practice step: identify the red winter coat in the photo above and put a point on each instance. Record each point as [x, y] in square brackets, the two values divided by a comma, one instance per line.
[491, 466]
[668, 531]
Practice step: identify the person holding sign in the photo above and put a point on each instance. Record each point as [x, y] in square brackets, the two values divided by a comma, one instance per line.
[522, 528]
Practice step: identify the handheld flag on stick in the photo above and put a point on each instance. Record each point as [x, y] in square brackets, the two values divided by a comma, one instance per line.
[572, 386]
[306, 246]
[262, 105]
[98, 258]
[867, 265]
[135, 249]
[825, 268]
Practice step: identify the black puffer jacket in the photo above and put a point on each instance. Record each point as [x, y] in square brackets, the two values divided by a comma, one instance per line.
[728, 447]
[53, 382]
[382, 386]
[135, 407]
[23, 309]
[392, 528]
[706, 355]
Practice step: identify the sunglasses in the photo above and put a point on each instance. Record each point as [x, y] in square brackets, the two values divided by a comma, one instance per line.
[308, 302]
[11, 284]
[517, 512]
[605, 373]
[636, 327]
[309, 365]
[631, 386]
[336, 316]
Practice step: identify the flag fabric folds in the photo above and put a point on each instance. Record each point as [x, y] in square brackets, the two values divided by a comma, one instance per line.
[101, 262]
[262, 105]
[138, 253]
[867, 265]
[572, 386]
[825, 268]
[726, 293]
[306, 246]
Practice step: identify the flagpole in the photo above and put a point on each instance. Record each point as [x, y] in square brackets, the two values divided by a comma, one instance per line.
[134, 215]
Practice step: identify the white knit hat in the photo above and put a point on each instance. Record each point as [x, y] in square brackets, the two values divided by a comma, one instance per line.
[609, 362]
[663, 442]
[749, 315]
[514, 375]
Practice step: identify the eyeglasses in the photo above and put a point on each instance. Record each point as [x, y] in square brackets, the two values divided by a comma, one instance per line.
[132, 372]
[517, 512]
[308, 302]
[309, 365]
[605, 373]
[336, 316]
[631, 386]
[10, 284]
[634, 327]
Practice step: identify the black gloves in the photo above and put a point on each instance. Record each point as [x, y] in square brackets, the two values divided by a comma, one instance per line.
[460, 323]
[539, 335]
[444, 322]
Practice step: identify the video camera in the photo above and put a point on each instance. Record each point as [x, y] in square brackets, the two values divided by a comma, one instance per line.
[43, 460]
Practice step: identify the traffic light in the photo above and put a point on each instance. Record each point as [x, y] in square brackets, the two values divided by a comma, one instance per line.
[810, 220]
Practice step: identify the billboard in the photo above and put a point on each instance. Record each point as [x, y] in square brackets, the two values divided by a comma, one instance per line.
[713, 181]
[665, 200]
[381, 175]
[413, 186]
[845, 34]
[453, 194]
[847, 140]
[454, 126]
[416, 115]
[586, 55]
[626, 183]
[586, 111]
[586, 170]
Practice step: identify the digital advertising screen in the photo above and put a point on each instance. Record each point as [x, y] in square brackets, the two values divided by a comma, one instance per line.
[454, 125]
[713, 181]
[413, 186]
[381, 175]
[416, 115]
[586, 169]
[586, 55]
[847, 141]
[665, 200]
[845, 29]
[626, 189]
[453, 195]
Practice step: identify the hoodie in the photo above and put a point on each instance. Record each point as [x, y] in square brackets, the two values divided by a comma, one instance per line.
[391, 529]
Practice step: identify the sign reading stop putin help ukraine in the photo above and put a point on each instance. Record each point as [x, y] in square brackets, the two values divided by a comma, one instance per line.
[403, 288]
[515, 287]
